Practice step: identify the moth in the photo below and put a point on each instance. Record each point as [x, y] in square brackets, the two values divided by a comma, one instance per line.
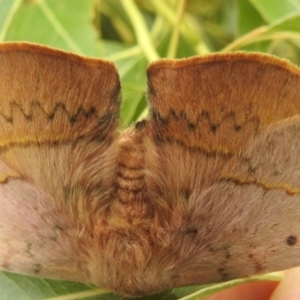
[206, 189]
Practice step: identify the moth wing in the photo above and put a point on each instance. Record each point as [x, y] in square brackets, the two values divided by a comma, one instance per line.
[250, 216]
[204, 113]
[58, 157]
[59, 113]
[205, 110]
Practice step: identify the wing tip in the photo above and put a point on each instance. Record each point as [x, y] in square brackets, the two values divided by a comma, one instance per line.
[50, 51]
[221, 57]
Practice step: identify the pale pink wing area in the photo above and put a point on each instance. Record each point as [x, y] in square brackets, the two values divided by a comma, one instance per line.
[37, 235]
[58, 157]
[252, 213]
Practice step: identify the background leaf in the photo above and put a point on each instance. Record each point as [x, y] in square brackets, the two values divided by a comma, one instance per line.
[276, 9]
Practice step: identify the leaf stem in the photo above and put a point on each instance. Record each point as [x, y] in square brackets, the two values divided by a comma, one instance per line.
[127, 53]
[9, 19]
[140, 29]
[176, 32]
[245, 39]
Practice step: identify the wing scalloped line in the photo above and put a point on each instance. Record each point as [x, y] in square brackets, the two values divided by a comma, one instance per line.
[37, 105]
[195, 126]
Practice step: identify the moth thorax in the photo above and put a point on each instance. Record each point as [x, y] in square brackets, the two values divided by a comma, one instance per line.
[130, 191]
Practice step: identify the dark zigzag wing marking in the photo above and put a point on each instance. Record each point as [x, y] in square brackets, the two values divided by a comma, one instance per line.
[204, 116]
[36, 105]
[104, 124]
[163, 137]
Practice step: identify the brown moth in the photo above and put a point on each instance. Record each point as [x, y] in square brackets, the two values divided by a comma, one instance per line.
[206, 189]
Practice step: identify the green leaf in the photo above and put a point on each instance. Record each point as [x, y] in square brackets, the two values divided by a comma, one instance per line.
[8, 9]
[20, 287]
[13, 286]
[248, 17]
[211, 289]
[275, 9]
[287, 24]
[45, 22]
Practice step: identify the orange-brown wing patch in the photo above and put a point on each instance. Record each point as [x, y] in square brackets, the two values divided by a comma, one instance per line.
[51, 96]
[217, 103]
